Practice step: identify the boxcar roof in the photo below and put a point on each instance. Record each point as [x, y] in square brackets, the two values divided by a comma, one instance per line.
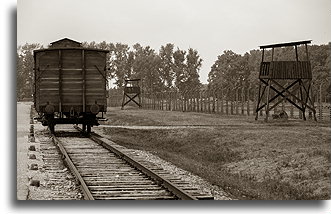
[286, 44]
[66, 39]
[70, 48]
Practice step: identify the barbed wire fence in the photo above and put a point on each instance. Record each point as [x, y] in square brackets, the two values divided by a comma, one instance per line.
[239, 101]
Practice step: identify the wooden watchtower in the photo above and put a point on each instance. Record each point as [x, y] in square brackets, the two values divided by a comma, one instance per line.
[131, 91]
[287, 79]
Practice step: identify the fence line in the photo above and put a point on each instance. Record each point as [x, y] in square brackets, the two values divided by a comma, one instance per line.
[240, 101]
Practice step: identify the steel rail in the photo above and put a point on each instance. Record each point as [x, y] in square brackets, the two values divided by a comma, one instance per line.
[70, 164]
[177, 191]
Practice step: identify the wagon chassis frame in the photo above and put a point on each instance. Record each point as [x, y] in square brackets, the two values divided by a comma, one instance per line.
[86, 121]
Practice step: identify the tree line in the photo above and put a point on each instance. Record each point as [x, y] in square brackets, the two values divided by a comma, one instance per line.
[175, 69]
[169, 68]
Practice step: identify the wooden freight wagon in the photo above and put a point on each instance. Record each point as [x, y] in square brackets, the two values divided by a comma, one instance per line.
[70, 84]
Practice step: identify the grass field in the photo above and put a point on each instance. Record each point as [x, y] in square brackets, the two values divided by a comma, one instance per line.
[249, 159]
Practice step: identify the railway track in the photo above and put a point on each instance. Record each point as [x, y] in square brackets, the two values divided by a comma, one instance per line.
[58, 179]
[107, 171]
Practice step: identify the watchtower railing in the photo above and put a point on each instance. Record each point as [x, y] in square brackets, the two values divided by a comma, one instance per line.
[132, 89]
[285, 70]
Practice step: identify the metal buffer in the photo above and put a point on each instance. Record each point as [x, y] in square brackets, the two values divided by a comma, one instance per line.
[131, 91]
[288, 80]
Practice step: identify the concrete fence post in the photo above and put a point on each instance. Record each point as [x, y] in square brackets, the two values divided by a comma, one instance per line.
[222, 108]
[242, 101]
[237, 101]
[320, 104]
[247, 97]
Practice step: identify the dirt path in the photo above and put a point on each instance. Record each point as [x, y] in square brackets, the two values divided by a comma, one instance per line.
[23, 120]
[157, 127]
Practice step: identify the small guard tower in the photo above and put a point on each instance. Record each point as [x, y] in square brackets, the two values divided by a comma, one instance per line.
[131, 91]
[287, 79]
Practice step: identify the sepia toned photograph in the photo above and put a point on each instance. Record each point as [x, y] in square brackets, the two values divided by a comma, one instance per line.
[173, 100]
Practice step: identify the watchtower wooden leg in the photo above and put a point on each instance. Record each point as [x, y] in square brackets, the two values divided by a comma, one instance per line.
[303, 104]
[311, 99]
[123, 101]
[140, 104]
[267, 106]
[258, 102]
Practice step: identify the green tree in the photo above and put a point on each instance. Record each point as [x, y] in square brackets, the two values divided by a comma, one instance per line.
[20, 74]
[229, 71]
[179, 68]
[254, 60]
[186, 68]
[194, 63]
[119, 64]
[25, 72]
[146, 66]
[166, 65]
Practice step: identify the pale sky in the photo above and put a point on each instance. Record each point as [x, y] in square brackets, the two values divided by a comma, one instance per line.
[210, 26]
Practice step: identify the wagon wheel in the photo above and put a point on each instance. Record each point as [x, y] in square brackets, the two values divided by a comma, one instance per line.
[51, 127]
[88, 130]
[84, 127]
[50, 121]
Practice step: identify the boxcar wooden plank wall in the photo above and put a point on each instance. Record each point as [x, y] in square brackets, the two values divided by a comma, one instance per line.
[72, 80]
[95, 79]
[47, 78]
[66, 78]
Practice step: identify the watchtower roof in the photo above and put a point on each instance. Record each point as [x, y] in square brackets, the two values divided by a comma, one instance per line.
[286, 44]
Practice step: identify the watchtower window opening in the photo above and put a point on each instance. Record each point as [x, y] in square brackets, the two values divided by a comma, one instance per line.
[285, 54]
[132, 86]
[272, 67]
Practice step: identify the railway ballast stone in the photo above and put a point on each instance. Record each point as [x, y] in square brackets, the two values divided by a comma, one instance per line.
[32, 148]
[35, 183]
[32, 156]
[33, 166]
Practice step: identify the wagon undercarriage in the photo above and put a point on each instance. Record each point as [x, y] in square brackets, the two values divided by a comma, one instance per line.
[87, 121]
